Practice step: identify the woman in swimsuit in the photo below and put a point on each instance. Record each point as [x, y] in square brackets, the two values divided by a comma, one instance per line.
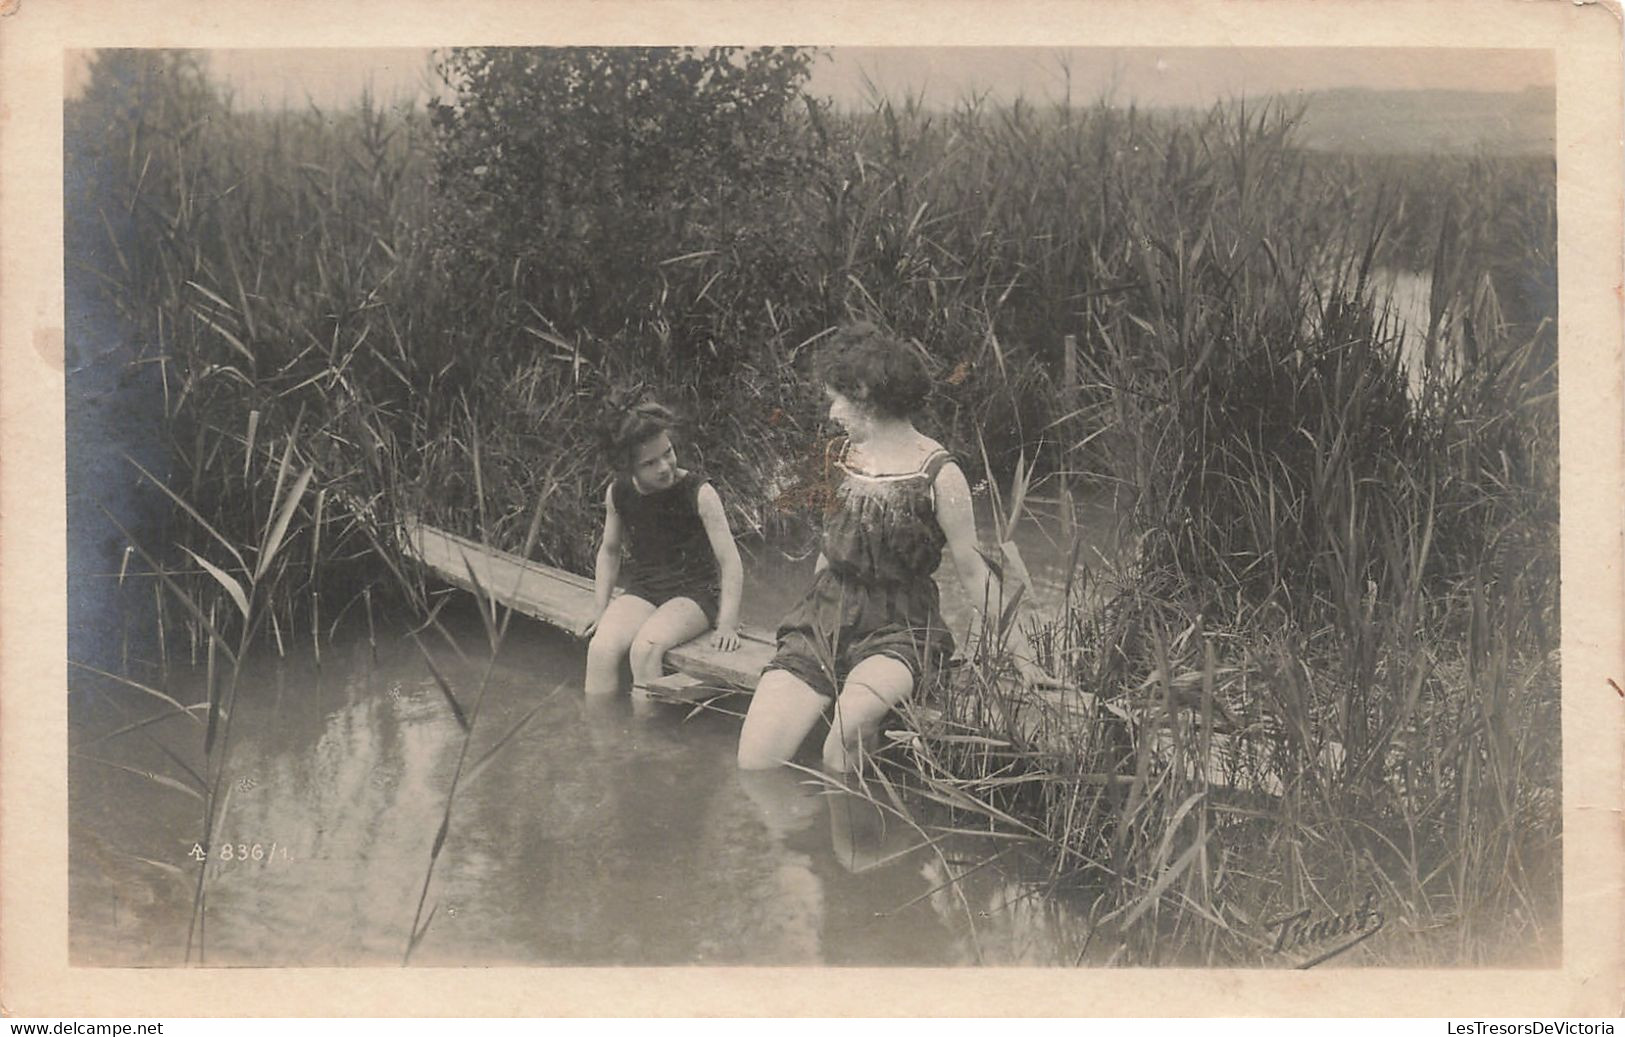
[871, 628]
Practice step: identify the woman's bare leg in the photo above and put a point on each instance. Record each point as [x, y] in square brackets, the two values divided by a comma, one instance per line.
[786, 799]
[871, 690]
[864, 834]
[782, 711]
[612, 641]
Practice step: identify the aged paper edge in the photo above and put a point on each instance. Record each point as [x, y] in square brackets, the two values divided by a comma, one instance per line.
[35, 978]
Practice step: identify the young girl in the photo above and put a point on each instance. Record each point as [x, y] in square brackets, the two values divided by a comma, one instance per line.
[666, 536]
[870, 628]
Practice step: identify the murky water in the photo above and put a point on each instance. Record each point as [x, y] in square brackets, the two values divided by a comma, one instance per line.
[595, 834]
[1405, 297]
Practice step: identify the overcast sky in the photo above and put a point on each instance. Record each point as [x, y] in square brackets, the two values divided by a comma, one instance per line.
[1149, 76]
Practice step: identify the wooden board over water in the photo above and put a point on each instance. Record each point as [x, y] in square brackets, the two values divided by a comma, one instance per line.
[565, 600]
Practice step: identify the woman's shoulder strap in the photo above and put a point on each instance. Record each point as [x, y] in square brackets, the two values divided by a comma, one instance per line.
[934, 463]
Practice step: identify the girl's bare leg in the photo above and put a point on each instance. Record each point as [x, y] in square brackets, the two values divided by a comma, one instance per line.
[678, 620]
[612, 641]
[872, 688]
[782, 711]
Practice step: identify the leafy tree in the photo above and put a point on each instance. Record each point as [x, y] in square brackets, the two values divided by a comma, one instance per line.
[622, 193]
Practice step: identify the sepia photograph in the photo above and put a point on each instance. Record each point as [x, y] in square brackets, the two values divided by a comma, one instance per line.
[1067, 506]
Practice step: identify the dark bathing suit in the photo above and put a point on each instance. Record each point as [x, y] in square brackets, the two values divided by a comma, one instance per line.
[667, 553]
[876, 596]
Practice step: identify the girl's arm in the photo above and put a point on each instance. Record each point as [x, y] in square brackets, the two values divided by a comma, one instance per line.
[607, 569]
[957, 518]
[731, 570]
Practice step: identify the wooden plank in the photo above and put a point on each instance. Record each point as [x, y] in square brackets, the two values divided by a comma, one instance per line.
[565, 600]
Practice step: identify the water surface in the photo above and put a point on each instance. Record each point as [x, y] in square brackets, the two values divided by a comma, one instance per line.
[600, 833]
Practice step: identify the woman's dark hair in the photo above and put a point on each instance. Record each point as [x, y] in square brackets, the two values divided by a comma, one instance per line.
[630, 427]
[865, 364]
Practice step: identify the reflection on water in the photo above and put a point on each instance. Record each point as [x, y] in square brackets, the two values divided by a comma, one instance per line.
[598, 835]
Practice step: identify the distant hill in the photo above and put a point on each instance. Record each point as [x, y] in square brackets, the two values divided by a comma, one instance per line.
[1430, 121]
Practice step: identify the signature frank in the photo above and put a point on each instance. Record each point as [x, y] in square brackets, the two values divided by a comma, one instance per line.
[1325, 938]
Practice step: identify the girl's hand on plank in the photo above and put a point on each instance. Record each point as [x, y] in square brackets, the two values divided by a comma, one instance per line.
[725, 639]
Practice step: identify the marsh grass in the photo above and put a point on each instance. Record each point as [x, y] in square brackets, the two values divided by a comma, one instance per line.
[249, 576]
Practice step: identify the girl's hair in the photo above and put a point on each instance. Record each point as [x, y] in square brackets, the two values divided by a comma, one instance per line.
[630, 427]
[871, 367]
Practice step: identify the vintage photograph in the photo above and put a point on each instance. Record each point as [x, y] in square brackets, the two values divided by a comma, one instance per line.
[792, 505]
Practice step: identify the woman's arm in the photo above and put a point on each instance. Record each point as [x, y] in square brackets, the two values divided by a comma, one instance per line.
[957, 518]
[607, 567]
[731, 570]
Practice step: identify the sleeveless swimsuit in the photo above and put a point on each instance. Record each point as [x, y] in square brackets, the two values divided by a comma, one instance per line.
[876, 596]
[665, 550]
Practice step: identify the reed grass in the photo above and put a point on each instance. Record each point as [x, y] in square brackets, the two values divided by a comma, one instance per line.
[252, 587]
[1344, 579]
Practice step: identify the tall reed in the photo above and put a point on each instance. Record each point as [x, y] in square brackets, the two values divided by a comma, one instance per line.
[1329, 666]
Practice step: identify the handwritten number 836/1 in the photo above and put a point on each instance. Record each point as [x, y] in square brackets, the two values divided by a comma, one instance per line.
[240, 852]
